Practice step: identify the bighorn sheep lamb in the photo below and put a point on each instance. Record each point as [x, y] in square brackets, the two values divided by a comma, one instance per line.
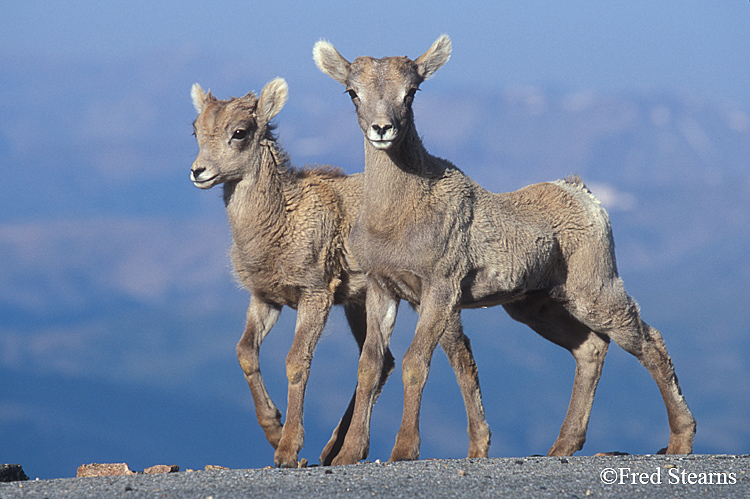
[429, 234]
[290, 232]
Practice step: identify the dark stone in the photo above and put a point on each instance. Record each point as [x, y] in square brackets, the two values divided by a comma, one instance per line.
[12, 473]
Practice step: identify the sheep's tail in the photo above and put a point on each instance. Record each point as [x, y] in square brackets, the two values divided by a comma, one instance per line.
[576, 180]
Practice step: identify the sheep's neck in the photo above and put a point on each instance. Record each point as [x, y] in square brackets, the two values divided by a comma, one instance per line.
[398, 181]
[256, 204]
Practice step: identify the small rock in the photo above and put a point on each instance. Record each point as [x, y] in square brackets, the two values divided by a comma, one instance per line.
[161, 468]
[613, 453]
[213, 467]
[103, 469]
[12, 473]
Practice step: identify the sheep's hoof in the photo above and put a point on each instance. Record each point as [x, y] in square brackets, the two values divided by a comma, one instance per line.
[342, 460]
[287, 461]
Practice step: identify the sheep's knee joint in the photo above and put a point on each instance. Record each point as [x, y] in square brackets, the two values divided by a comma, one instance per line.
[412, 374]
[296, 373]
[248, 364]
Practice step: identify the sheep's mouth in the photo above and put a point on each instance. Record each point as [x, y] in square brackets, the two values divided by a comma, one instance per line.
[205, 183]
[381, 144]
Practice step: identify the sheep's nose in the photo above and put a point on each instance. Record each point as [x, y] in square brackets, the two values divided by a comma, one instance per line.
[196, 171]
[381, 129]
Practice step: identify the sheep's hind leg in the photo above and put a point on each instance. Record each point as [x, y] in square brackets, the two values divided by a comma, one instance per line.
[312, 312]
[356, 315]
[261, 317]
[658, 362]
[553, 322]
[589, 357]
[621, 321]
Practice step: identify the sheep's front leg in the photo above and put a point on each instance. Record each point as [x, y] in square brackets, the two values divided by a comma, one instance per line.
[458, 349]
[261, 317]
[381, 317]
[357, 317]
[312, 312]
[438, 310]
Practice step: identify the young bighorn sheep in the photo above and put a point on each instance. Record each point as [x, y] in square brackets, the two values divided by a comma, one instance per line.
[289, 230]
[429, 234]
[290, 247]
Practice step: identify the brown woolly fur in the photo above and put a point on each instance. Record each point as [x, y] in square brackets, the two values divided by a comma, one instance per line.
[290, 231]
[430, 235]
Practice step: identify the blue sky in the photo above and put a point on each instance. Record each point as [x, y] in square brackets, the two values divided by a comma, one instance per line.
[118, 315]
[689, 45]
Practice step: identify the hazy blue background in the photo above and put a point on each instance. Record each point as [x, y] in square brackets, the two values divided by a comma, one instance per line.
[118, 315]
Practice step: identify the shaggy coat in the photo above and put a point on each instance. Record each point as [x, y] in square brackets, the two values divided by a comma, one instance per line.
[429, 234]
[289, 247]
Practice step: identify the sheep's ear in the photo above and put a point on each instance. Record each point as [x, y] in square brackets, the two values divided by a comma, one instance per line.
[199, 97]
[328, 60]
[437, 55]
[272, 99]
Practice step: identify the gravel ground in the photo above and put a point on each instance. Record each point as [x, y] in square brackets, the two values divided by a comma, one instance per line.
[704, 476]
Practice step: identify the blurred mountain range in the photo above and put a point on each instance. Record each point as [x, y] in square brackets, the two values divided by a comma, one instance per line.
[118, 314]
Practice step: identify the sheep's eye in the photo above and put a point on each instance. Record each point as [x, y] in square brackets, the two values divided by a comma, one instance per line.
[352, 94]
[239, 134]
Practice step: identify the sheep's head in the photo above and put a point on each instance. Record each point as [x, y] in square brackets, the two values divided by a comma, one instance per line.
[382, 90]
[230, 132]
